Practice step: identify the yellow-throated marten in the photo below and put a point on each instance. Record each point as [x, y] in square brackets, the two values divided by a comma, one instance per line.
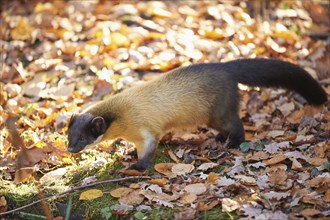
[188, 96]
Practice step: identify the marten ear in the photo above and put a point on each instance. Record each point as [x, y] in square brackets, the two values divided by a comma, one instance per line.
[72, 118]
[98, 125]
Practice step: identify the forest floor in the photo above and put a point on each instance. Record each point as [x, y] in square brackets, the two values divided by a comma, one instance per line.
[59, 57]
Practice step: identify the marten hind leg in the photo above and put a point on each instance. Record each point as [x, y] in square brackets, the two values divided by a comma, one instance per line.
[230, 128]
[145, 148]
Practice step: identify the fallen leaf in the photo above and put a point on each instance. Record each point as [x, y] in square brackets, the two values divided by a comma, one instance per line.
[246, 180]
[173, 156]
[182, 169]
[132, 198]
[188, 198]
[278, 177]
[159, 182]
[133, 172]
[275, 133]
[154, 188]
[23, 175]
[201, 206]
[22, 31]
[119, 192]
[277, 158]
[307, 213]
[212, 178]
[206, 166]
[153, 196]
[286, 108]
[165, 168]
[237, 168]
[196, 188]
[276, 195]
[274, 148]
[260, 155]
[224, 181]
[326, 197]
[317, 161]
[229, 205]
[296, 165]
[91, 194]
[3, 204]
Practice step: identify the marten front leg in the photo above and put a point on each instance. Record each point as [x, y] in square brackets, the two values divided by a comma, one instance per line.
[145, 148]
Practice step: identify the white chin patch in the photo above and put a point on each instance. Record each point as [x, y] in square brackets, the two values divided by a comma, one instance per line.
[98, 140]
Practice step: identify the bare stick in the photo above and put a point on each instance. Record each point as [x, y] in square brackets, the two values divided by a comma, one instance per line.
[74, 189]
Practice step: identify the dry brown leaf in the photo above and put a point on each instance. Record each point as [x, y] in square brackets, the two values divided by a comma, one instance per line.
[23, 175]
[277, 158]
[296, 116]
[3, 204]
[152, 196]
[286, 108]
[206, 166]
[317, 161]
[278, 177]
[310, 199]
[133, 172]
[132, 198]
[317, 182]
[165, 168]
[196, 188]
[173, 156]
[119, 192]
[212, 178]
[182, 169]
[246, 180]
[260, 155]
[201, 206]
[296, 165]
[188, 198]
[309, 212]
[159, 182]
[326, 197]
[275, 133]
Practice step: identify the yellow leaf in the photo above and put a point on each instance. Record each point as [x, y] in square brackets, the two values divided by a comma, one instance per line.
[90, 194]
[22, 31]
[67, 160]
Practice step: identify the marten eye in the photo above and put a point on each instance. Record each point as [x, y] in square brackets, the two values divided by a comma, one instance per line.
[82, 138]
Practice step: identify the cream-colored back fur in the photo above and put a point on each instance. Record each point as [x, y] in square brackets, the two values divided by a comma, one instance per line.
[172, 101]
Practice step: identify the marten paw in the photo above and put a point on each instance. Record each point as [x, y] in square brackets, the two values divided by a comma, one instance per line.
[139, 166]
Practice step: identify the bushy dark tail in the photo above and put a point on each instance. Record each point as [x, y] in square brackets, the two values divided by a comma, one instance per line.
[276, 73]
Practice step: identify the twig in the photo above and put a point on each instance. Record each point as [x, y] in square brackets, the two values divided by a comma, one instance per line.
[74, 189]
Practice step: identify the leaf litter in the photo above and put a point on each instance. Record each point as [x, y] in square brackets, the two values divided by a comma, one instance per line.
[59, 56]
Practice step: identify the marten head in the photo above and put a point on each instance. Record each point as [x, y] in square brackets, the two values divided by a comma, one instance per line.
[85, 129]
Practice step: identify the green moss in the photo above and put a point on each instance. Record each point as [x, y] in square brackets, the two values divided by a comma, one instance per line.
[214, 214]
[18, 195]
[161, 213]
[218, 169]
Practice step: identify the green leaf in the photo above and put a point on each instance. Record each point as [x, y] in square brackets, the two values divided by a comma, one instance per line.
[245, 147]
[106, 213]
[139, 215]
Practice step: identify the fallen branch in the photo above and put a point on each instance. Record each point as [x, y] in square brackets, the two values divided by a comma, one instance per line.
[75, 189]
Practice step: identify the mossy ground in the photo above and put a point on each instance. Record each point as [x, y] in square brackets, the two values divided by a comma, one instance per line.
[18, 195]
